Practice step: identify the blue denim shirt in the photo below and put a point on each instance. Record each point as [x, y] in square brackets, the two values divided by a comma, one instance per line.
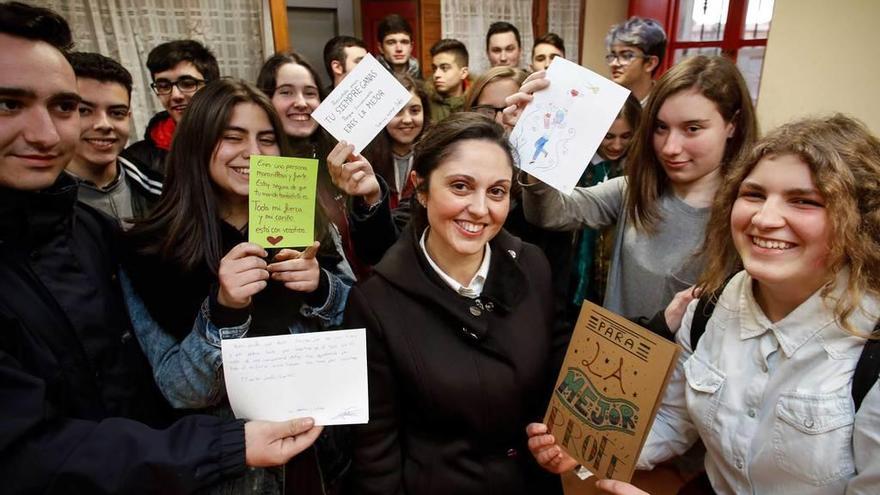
[189, 371]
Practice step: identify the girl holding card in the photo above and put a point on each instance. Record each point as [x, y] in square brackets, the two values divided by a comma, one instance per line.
[698, 120]
[459, 316]
[189, 260]
[292, 85]
[777, 387]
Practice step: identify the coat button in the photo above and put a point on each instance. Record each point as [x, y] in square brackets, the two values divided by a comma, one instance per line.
[512, 453]
[489, 306]
[469, 333]
[476, 311]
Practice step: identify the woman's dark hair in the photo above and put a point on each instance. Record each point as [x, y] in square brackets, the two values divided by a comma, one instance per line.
[267, 79]
[443, 141]
[184, 227]
[379, 151]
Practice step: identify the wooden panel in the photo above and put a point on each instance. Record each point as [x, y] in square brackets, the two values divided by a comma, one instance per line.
[432, 32]
[278, 12]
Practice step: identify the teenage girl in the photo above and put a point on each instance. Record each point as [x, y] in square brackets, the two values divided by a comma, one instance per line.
[771, 388]
[699, 119]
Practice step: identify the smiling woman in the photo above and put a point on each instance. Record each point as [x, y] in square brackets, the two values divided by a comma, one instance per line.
[459, 330]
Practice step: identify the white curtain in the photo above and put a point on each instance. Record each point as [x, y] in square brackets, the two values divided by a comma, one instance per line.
[564, 19]
[126, 30]
[468, 21]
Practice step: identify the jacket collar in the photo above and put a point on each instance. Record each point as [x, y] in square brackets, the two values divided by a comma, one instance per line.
[503, 286]
[29, 217]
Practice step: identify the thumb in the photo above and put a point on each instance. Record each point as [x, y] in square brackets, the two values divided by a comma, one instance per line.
[295, 427]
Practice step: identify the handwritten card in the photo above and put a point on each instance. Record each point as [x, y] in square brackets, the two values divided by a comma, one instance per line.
[362, 105]
[563, 126]
[322, 375]
[281, 202]
[608, 391]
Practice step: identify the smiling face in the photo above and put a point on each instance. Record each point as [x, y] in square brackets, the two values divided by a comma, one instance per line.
[503, 50]
[616, 140]
[689, 138]
[296, 96]
[405, 127]
[780, 227]
[105, 122]
[176, 101]
[467, 201]
[39, 118]
[543, 54]
[248, 132]
[396, 48]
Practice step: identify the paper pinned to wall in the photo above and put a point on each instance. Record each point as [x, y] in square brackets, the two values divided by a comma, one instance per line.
[560, 130]
[363, 104]
[322, 375]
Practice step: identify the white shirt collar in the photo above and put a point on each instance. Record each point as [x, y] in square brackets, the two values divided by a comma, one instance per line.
[475, 287]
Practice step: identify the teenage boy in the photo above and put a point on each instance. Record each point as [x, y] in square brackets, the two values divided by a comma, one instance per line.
[546, 48]
[396, 46]
[449, 63]
[503, 45]
[107, 182]
[81, 413]
[341, 55]
[635, 52]
[179, 68]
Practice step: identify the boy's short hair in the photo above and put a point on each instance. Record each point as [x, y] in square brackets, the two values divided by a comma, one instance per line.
[334, 49]
[167, 55]
[35, 23]
[551, 39]
[455, 47]
[100, 68]
[502, 27]
[393, 24]
[641, 32]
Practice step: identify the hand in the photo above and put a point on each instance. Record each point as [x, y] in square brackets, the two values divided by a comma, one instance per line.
[518, 101]
[353, 174]
[298, 270]
[242, 274]
[619, 488]
[543, 447]
[678, 306]
[273, 443]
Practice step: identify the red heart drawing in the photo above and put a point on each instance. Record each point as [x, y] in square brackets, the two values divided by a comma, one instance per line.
[274, 240]
[574, 92]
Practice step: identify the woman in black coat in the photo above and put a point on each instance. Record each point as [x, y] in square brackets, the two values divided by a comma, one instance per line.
[459, 342]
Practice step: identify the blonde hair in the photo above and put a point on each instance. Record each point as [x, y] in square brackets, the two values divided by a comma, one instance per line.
[844, 159]
[717, 79]
[490, 76]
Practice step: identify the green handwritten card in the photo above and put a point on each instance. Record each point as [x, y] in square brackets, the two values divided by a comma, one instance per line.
[282, 201]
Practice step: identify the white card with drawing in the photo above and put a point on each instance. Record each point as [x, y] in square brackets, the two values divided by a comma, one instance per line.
[561, 129]
[322, 375]
[362, 105]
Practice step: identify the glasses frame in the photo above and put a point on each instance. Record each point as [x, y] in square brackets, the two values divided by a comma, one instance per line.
[610, 57]
[496, 110]
[198, 84]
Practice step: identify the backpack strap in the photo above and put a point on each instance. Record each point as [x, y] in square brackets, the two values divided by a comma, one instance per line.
[867, 370]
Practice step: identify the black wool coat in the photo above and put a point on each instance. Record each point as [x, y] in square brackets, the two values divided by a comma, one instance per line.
[454, 381]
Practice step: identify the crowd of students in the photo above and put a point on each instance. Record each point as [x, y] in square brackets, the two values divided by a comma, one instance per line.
[124, 267]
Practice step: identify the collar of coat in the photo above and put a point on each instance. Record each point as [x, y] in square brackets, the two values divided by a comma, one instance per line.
[405, 267]
[29, 217]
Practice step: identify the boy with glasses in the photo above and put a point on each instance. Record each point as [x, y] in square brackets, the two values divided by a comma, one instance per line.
[179, 68]
[635, 51]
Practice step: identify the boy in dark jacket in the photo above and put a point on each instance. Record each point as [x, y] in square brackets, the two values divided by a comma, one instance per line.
[179, 68]
[107, 182]
[80, 412]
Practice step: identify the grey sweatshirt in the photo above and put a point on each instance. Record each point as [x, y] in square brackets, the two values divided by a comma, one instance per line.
[646, 270]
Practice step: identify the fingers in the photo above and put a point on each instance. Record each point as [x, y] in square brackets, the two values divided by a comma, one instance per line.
[339, 154]
[293, 254]
[245, 249]
[541, 74]
[535, 85]
[536, 429]
[270, 443]
[619, 488]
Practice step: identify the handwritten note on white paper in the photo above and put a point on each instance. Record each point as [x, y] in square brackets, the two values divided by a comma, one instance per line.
[362, 105]
[561, 129]
[322, 375]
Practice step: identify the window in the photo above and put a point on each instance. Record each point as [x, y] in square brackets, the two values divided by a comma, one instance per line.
[735, 28]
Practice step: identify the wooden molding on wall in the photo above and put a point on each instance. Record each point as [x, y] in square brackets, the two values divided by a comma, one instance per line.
[540, 19]
[278, 11]
[430, 32]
